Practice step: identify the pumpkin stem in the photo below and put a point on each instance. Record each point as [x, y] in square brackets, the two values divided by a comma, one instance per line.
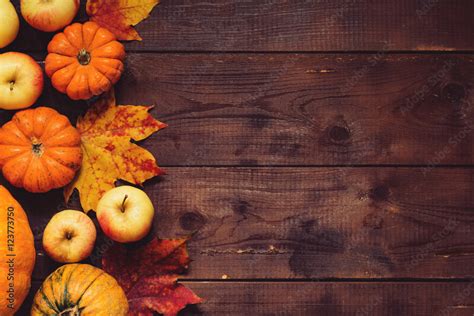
[37, 148]
[73, 311]
[84, 57]
[123, 203]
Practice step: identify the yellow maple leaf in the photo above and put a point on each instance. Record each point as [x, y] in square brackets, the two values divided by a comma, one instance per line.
[119, 16]
[108, 153]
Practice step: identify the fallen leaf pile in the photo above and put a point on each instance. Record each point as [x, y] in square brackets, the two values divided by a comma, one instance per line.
[148, 276]
[120, 15]
[108, 153]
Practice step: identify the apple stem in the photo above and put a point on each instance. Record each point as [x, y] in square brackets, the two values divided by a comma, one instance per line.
[123, 203]
[12, 84]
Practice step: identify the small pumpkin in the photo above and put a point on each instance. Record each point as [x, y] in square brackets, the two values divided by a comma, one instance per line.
[39, 150]
[17, 250]
[80, 289]
[85, 60]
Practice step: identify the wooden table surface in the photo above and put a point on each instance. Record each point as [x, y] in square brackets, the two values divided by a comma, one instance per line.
[319, 152]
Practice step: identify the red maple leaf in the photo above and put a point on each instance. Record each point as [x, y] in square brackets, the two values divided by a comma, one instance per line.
[148, 275]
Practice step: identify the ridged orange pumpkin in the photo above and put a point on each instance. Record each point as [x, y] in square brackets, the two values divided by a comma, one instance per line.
[80, 289]
[39, 150]
[85, 60]
[17, 250]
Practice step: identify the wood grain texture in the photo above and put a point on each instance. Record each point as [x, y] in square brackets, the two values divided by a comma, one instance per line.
[292, 109]
[295, 109]
[394, 299]
[320, 222]
[329, 298]
[269, 215]
[297, 25]
[308, 222]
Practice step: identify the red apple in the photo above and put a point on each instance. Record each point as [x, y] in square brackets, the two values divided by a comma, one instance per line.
[21, 81]
[125, 214]
[9, 23]
[69, 236]
[49, 15]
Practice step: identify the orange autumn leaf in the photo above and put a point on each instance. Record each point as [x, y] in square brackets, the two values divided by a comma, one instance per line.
[148, 275]
[119, 16]
[108, 153]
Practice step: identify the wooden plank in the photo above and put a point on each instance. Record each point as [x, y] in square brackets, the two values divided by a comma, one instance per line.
[329, 298]
[306, 109]
[308, 222]
[291, 109]
[300, 109]
[298, 25]
[318, 222]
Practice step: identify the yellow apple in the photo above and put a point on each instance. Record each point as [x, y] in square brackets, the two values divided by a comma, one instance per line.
[69, 236]
[125, 214]
[9, 23]
[49, 15]
[21, 81]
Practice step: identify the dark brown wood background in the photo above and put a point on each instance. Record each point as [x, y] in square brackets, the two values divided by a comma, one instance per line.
[320, 152]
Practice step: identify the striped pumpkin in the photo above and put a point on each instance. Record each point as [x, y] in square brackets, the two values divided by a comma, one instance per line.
[80, 289]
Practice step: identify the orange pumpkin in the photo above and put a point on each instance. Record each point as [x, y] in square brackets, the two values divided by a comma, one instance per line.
[85, 60]
[39, 150]
[17, 250]
[80, 289]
